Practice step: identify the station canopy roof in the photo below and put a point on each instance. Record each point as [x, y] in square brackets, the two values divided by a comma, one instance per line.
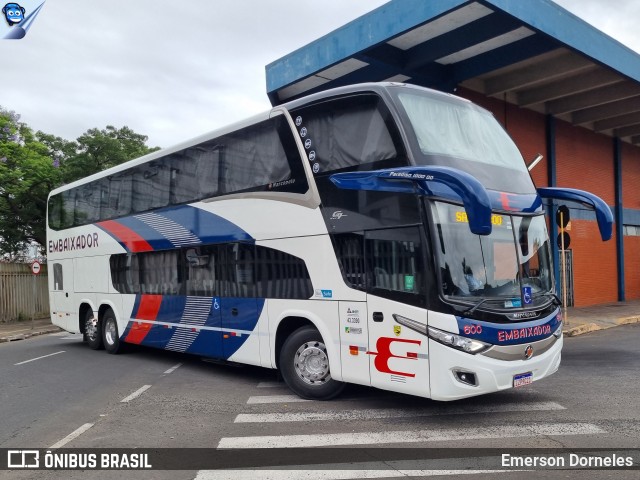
[531, 53]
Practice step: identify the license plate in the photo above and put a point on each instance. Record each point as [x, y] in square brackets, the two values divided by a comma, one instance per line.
[522, 379]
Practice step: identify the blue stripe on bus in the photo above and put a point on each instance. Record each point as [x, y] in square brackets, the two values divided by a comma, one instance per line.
[207, 226]
[512, 333]
[208, 343]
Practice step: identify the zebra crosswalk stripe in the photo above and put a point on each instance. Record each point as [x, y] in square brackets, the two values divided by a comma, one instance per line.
[409, 436]
[359, 414]
[262, 399]
[350, 474]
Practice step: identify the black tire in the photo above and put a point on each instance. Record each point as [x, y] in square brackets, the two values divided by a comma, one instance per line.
[92, 333]
[304, 366]
[110, 334]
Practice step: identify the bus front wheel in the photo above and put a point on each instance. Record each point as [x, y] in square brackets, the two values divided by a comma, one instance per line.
[110, 335]
[92, 334]
[304, 365]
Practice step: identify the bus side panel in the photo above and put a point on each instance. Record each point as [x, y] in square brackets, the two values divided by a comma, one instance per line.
[248, 347]
[91, 274]
[354, 343]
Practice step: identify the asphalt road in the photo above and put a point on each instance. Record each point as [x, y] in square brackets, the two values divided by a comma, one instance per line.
[56, 392]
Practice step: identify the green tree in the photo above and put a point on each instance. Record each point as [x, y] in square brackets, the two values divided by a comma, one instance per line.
[97, 150]
[27, 174]
[31, 165]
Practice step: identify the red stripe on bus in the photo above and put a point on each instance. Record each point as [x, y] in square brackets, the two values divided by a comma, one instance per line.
[131, 239]
[148, 310]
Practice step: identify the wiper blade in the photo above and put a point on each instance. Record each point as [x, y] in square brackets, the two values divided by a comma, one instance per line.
[556, 299]
[473, 309]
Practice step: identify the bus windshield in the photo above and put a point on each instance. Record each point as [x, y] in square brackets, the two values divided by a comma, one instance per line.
[513, 259]
[456, 133]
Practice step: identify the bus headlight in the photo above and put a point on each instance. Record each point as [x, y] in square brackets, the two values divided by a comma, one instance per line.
[558, 332]
[458, 342]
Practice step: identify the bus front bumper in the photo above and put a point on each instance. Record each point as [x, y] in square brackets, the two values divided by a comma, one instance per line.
[448, 365]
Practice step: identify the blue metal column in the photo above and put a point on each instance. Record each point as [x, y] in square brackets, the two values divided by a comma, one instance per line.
[619, 212]
[550, 130]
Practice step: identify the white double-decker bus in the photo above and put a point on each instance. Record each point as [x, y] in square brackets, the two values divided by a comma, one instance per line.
[377, 234]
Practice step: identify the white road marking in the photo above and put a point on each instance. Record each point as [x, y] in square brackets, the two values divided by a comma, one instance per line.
[408, 436]
[73, 337]
[271, 384]
[39, 358]
[172, 369]
[261, 399]
[313, 474]
[135, 394]
[392, 413]
[72, 435]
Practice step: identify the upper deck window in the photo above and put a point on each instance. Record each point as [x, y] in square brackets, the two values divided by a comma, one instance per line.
[346, 132]
[261, 157]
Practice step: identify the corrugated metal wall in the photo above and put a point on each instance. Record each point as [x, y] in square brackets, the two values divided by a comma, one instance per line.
[20, 294]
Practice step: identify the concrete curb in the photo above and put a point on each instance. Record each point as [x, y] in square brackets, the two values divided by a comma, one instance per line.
[628, 320]
[582, 329]
[35, 333]
[594, 327]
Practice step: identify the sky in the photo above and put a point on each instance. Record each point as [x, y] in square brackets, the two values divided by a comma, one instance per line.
[174, 70]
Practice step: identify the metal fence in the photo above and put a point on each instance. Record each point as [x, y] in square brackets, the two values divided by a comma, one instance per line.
[22, 295]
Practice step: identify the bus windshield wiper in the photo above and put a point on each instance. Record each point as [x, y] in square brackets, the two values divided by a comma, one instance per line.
[556, 299]
[473, 309]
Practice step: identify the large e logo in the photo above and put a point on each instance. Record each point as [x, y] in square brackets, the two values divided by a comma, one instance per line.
[383, 355]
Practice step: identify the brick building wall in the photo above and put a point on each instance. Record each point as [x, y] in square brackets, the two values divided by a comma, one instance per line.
[585, 161]
[631, 200]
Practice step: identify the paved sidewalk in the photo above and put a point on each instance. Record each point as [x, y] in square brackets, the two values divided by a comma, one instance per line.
[589, 319]
[579, 321]
[10, 332]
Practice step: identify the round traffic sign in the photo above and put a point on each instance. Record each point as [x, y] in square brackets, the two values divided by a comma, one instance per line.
[564, 236]
[562, 216]
[36, 268]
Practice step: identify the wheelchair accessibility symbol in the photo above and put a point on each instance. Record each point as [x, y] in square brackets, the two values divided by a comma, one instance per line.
[216, 304]
[526, 295]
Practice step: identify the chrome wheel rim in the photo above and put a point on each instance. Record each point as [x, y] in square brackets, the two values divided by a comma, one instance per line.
[110, 331]
[312, 363]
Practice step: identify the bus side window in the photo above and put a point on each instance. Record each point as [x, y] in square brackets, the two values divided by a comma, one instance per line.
[201, 271]
[253, 157]
[58, 283]
[281, 275]
[194, 172]
[68, 208]
[349, 249]
[87, 204]
[159, 272]
[150, 187]
[395, 264]
[350, 131]
[117, 201]
[55, 211]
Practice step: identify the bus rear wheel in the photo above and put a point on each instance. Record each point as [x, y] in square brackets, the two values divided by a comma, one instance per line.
[92, 334]
[110, 335]
[304, 365]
